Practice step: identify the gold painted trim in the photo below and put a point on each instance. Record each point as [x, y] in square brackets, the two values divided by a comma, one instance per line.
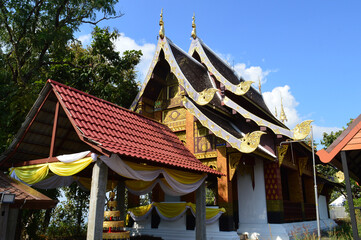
[113, 224]
[247, 144]
[117, 235]
[301, 131]
[108, 214]
[240, 89]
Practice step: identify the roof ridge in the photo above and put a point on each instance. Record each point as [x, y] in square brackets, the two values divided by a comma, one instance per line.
[99, 99]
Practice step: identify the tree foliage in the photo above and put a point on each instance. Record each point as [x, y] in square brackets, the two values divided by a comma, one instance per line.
[37, 42]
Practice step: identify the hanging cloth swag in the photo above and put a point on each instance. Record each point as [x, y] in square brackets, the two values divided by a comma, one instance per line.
[172, 211]
[145, 177]
[69, 165]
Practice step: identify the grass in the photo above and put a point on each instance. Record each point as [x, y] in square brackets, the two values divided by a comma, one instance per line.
[342, 232]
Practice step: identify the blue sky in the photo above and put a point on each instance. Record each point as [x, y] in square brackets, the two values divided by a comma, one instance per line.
[307, 51]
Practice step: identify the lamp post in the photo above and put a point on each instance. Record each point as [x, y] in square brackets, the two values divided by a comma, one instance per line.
[314, 180]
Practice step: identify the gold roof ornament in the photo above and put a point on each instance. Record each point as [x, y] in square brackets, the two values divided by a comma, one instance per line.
[259, 85]
[161, 24]
[206, 96]
[302, 130]
[250, 142]
[194, 33]
[243, 87]
[283, 117]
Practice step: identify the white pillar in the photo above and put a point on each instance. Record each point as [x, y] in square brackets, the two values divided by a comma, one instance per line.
[97, 201]
[252, 202]
[201, 212]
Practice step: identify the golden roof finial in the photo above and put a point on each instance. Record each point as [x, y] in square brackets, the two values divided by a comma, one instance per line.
[283, 117]
[194, 33]
[161, 24]
[259, 85]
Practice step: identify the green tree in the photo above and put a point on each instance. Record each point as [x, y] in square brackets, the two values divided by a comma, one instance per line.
[37, 43]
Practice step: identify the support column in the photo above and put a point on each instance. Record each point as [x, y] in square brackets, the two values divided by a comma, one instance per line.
[349, 195]
[225, 196]
[201, 212]
[97, 201]
[121, 199]
[12, 223]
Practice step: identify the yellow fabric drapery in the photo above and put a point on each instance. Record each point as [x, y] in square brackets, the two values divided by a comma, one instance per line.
[35, 173]
[179, 176]
[210, 212]
[170, 210]
[32, 174]
[184, 177]
[138, 185]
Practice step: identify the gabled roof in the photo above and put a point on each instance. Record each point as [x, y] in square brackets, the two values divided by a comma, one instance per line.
[194, 78]
[349, 141]
[252, 99]
[107, 128]
[25, 196]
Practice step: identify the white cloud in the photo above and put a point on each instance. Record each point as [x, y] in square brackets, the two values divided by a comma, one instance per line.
[85, 39]
[319, 130]
[124, 43]
[252, 73]
[273, 100]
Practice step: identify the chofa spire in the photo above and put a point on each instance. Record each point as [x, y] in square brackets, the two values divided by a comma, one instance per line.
[283, 117]
[161, 24]
[194, 33]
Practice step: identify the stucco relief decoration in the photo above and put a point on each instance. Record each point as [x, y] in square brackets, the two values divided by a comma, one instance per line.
[282, 150]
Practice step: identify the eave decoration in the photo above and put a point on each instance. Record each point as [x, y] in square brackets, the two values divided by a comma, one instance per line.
[247, 144]
[282, 150]
[300, 132]
[302, 162]
[239, 89]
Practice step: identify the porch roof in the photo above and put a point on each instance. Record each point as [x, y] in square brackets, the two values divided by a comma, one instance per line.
[350, 142]
[87, 121]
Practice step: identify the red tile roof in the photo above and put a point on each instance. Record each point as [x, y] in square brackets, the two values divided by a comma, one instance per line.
[126, 133]
[25, 196]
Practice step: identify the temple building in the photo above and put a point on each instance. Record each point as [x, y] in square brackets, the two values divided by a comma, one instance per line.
[267, 187]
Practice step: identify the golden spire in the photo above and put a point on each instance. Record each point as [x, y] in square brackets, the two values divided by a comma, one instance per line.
[283, 117]
[259, 85]
[194, 33]
[161, 24]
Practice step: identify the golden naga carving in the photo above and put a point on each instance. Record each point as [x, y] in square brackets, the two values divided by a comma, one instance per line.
[282, 150]
[250, 142]
[194, 33]
[302, 130]
[243, 87]
[161, 24]
[206, 96]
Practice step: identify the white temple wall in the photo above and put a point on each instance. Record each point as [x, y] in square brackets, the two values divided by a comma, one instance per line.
[252, 202]
[322, 203]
